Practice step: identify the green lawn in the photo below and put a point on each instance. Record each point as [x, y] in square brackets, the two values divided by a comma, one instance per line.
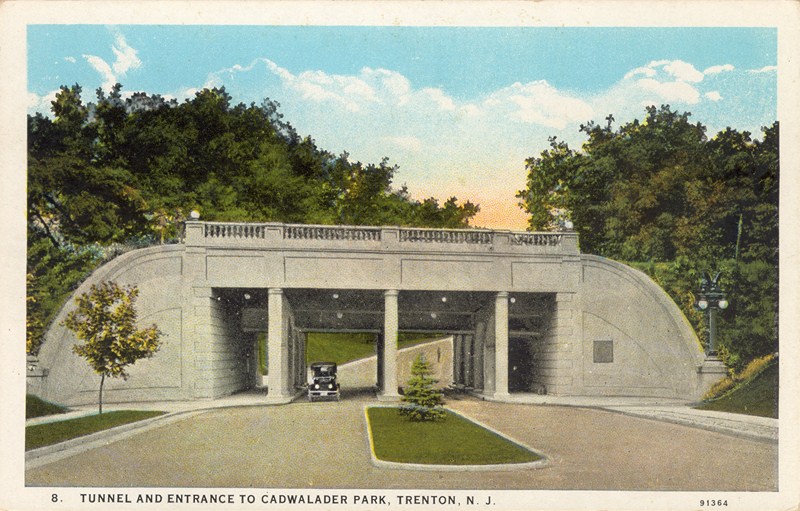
[756, 397]
[453, 441]
[55, 432]
[35, 407]
[342, 348]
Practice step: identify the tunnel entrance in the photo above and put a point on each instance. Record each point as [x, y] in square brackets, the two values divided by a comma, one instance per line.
[346, 326]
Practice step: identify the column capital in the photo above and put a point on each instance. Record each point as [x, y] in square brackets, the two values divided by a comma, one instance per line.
[275, 291]
[502, 294]
[391, 292]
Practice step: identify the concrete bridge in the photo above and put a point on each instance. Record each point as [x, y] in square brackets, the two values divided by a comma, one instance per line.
[527, 312]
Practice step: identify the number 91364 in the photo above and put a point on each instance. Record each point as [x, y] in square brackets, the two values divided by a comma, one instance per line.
[713, 503]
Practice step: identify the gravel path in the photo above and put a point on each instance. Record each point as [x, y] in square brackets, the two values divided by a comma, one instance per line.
[324, 445]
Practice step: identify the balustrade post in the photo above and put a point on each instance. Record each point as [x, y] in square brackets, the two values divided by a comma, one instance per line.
[502, 239]
[194, 234]
[390, 238]
[569, 242]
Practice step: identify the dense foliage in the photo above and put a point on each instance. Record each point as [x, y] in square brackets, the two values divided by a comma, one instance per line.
[660, 192]
[124, 170]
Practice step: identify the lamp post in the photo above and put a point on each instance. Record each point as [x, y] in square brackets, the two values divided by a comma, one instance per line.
[709, 300]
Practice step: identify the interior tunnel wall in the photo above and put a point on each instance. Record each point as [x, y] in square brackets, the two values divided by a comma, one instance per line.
[465, 360]
[553, 361]
[483, 376]
[225, 360]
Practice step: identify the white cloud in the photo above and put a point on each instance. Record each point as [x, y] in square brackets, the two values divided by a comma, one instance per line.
[70, 59]
[439, 98]
[683, 71]
[646, 71]
[671, 91]
[713, 70]
[126, 59]
[539, 103]
[102, 67]
[470, 110]
[765, 69]
[393, 82]
[660, 81]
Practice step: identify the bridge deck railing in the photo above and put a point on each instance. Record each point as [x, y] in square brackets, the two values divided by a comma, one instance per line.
[277, 235]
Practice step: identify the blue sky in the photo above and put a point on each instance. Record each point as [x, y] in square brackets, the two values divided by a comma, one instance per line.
[458, 109]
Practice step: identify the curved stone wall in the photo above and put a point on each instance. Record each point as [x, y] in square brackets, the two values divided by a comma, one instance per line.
[636, 341]
[157, 272]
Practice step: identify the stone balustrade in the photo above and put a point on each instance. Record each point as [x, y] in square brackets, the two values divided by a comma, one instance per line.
[414, 235]
[331, 232]
[235, 234]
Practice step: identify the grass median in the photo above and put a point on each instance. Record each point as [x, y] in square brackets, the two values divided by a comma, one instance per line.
[453, 441]
[51, 433]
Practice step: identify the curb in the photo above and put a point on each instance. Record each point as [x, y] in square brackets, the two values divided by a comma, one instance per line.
[394, 465]
[769, 437]
[768, 433]
[36, 457]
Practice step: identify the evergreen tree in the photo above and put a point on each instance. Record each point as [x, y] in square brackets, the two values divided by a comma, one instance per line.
[423, 401]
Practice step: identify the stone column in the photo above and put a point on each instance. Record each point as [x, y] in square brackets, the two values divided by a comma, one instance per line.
[458, 361]
[468, 357]
[501, 345]
[390, 325]
[379, 356]
[202, 320]
[302, 371]
[278, 348]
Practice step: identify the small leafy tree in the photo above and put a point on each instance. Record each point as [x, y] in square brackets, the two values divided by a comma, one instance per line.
[423, 401]
[105, 321]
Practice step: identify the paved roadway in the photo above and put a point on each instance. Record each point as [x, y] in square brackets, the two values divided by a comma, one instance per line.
[324, 445]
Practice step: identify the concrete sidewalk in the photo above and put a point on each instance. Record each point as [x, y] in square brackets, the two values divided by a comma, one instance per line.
[255, 397]
[666, 410]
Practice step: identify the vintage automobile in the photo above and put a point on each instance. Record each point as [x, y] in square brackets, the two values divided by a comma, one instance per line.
[323, 382]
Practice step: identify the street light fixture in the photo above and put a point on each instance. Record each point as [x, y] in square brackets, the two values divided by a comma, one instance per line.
[710, 299]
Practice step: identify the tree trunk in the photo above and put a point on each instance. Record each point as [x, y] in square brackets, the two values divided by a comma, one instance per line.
[102, 380]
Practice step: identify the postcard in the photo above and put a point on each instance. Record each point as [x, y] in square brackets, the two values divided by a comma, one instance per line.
[399, 255]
